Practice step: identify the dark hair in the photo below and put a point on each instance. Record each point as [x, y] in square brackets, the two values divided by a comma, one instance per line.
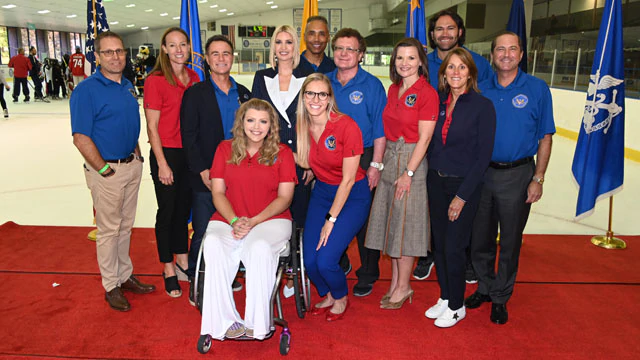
[423, 70]
[349, 32]
[78, 49]
[104, 35]
[218, 37]
[318, 18]
[506, 32]
[456, 18]
[467, 59]
[32, 48]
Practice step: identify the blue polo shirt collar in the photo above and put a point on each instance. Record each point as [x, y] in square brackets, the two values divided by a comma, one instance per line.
[516, 83]
[234, 86]
[98, 74]
[360, 77]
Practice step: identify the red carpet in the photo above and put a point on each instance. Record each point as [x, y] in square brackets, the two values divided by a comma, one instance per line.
[572, 301]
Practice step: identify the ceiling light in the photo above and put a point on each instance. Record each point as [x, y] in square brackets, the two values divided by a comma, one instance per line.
[213, 6]
[229, 13]
[10, 6]
[176, 18]
[131, 25]
[222, 10]
[144, 28]
[114, 23]
[148, 10]
[44, 12]
[130, 5]
[202, 1]
[71, 16]
[269, 2]
[164, 14]
[274, 6]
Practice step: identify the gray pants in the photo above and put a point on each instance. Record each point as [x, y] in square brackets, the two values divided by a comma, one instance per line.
[503, 204]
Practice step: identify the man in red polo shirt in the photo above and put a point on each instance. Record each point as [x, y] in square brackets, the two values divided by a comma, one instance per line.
[21, 67]
[76, 62]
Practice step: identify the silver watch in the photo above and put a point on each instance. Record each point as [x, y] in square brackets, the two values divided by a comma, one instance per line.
[409, 172]
[377, 165]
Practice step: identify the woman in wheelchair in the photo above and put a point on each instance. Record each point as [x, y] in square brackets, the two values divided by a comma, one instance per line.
[252, 179]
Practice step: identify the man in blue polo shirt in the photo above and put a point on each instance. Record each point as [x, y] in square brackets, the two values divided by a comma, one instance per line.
[513, 181]
[316, 37]
[447, 32]
[361, 96]
[105, 123]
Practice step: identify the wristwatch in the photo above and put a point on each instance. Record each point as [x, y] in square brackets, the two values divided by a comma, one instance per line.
[409, 172]
[539, 180]
[377, 165]
[138, 157]
[330, 218]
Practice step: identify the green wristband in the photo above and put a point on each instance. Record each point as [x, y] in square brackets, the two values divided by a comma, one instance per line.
[233, 221]
[101, 171]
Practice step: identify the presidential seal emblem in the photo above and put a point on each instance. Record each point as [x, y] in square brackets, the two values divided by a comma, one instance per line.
[410, 100]
[356, 97]
[520, 101]
[330, 142]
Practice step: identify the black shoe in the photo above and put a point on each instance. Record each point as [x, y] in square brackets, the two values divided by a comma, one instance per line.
[475, 300]
[345, 264]
[499, 314]
[423, 269]
[347, 269]
[15, 100]
[470, 275]
[26, 99]
[192, 288]
[236, 286]
[362, 290]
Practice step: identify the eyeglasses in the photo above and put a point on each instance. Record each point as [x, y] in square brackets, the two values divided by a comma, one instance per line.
[347, 49]
[110, 53]
[310, 95]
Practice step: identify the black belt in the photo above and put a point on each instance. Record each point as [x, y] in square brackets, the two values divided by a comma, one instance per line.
[126, 160]
[510, 165]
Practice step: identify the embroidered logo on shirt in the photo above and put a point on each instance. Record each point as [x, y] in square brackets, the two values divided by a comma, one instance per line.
[520, 101]
[411, 100]
[442, 113]
[330, 142]
[356, 97]
[133, 93]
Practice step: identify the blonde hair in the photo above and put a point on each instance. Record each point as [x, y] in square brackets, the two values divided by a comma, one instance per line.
[303, 120]
[296, 45]
[271, 145]
[163, 64]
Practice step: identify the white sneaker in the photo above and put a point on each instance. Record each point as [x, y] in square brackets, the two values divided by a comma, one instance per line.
[450, 317]
[288, 291]
[436, 310]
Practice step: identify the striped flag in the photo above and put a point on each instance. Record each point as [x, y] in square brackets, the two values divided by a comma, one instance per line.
[416, 27]
[190, 23]
[96, 24]
[598, 163]
[310, 9]
[230, 32]
[518, 25]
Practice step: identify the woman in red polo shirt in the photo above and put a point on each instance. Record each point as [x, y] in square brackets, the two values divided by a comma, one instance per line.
[164, 88]
[252, 179]
[330, 143]
[399, 222]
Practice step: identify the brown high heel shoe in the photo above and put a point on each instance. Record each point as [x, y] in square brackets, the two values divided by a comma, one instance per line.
[385, 299]
[398, 304]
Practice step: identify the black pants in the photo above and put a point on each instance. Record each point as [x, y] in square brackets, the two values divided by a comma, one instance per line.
[502, 203]
[450, 238]
[300, 202]
[2, 102]
[174, 205]
[37, 84]
[17, 82]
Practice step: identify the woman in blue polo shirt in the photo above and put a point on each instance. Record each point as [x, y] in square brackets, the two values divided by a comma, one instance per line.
[458, 158]
[330, 143]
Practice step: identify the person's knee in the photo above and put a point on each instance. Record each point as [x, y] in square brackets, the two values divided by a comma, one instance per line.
[212, 245]
[258, 247]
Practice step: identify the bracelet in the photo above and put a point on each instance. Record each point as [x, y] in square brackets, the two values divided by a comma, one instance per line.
[101, 171]
[233, 221]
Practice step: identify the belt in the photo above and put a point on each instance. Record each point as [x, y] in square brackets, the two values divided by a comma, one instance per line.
[510, 165]
[126, 160]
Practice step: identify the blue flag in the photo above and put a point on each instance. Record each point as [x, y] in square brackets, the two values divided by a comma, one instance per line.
[598, 163]
[190, 22]
[96, 24]
[518, 25]
[416, 27]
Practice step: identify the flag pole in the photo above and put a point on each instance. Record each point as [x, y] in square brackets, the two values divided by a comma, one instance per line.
[609, 241]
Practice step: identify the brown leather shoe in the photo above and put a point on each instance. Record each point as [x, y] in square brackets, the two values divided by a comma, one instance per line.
[116, 300]
[135, 286]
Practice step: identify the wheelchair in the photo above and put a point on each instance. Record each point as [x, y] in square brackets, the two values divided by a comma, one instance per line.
[291, 262]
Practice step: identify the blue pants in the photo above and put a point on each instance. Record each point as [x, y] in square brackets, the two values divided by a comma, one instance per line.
[323, 265]
[201, 212]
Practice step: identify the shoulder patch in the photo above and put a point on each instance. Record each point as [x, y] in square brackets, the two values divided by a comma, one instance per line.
[520, 101]
[356, 97]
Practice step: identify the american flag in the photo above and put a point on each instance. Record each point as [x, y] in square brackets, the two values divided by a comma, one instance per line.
[230, 32]
[96, 24]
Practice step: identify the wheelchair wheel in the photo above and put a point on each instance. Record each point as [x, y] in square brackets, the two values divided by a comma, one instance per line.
[304, 280]
[285, 339]
[204, 344]
[298, 280]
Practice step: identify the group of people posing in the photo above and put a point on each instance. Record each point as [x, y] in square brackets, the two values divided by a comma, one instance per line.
[434, 165]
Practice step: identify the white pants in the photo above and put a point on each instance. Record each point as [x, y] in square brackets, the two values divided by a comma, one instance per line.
[259, 251]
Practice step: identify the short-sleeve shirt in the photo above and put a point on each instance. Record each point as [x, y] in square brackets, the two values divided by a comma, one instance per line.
[326, 66]
[524, 115]
[252, 186]
[77, 64]
[363, 99]
[401, 115]
[166, 98]
[340, 139]
[108, 113]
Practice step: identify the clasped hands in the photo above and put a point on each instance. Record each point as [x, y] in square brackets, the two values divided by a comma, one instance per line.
[241, 227]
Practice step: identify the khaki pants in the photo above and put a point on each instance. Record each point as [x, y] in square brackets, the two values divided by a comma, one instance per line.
[77, 79]
[115, 199]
